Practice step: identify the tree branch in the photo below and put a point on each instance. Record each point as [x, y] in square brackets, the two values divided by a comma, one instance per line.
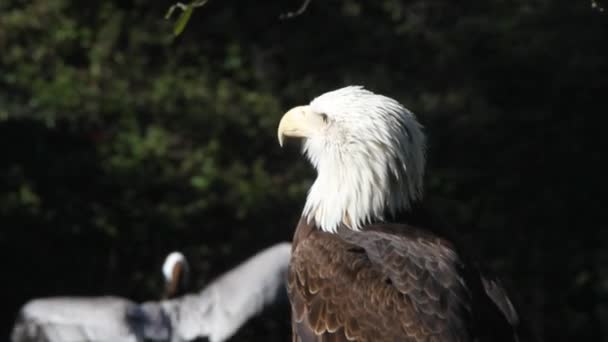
[185, 16]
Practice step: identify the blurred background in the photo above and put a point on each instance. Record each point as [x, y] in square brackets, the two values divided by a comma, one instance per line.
[120, 143]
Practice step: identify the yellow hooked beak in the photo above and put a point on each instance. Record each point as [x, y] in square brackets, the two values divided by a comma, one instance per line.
[300, 122]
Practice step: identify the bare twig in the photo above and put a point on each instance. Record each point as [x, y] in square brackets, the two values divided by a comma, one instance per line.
[184, 7]
[173, 7]
[296, 13]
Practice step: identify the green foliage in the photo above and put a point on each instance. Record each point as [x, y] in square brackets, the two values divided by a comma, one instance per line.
[123, 139]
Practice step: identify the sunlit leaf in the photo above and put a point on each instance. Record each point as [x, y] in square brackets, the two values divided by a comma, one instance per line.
[183, 20]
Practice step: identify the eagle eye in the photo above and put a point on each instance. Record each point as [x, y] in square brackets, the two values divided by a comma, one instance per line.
[324, 117]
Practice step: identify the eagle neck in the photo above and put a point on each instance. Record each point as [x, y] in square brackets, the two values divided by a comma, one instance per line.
[354, 188]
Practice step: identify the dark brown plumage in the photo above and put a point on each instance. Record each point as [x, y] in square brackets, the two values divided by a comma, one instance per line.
[391, 282]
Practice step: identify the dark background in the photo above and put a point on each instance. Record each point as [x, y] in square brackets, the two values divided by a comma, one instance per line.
[119, 143]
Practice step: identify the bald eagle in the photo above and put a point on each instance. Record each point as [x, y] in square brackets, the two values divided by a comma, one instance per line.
[359, 274]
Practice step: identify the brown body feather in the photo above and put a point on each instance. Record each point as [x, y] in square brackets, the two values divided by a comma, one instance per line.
[390, 282]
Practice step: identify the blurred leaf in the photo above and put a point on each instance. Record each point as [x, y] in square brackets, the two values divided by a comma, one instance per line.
[183, 19]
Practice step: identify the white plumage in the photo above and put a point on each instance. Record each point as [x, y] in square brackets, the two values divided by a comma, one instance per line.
[216, 312]
[176, 272]
[71, 319]
[220, 309]
[173, 259]
[369, 154]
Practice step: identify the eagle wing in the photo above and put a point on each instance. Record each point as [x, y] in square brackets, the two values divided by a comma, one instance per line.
[387, 283]
[74, 319]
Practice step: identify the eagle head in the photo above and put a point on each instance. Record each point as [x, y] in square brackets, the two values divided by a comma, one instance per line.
[176, 273]
[369, 153]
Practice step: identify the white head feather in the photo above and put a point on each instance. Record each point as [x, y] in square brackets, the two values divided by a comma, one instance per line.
[370, 159]
[170, 261]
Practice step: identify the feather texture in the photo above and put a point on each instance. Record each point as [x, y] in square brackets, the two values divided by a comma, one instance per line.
[370, 159]
[387, 283]
[354, 277]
